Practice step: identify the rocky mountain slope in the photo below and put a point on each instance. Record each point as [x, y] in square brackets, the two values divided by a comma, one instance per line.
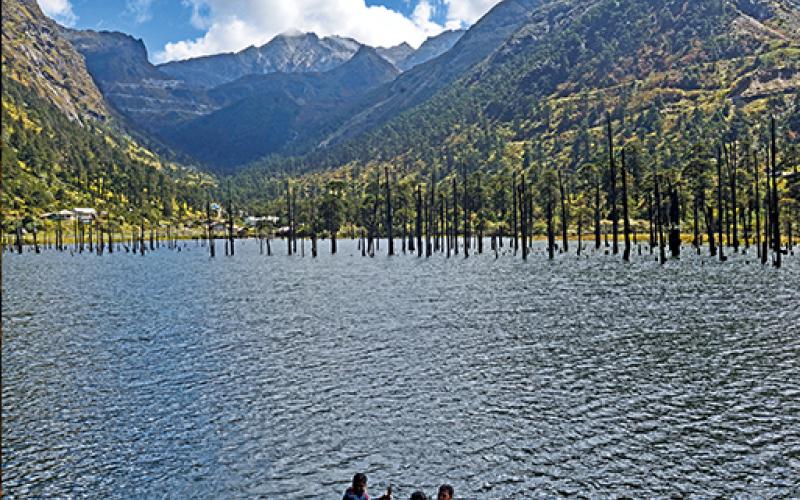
[36, 56]
[570, 61]
[61, 144]
[262, 115]
[420, 83]
[431, 48]
[396, 54]
[140, 91]
[286, 53]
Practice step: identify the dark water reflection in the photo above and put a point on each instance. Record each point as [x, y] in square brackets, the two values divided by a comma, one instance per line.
[172, 375]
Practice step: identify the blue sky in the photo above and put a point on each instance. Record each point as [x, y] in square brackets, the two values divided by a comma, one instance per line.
[177, 29]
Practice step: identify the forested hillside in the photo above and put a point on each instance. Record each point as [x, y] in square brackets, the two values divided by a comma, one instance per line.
[686, 90]
[61, 148]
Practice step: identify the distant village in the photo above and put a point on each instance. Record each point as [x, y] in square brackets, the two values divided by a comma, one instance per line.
[219, 224]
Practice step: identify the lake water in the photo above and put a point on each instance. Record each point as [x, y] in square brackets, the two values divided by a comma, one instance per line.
[173, 375]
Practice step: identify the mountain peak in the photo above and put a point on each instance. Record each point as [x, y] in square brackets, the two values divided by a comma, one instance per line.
[294, 32]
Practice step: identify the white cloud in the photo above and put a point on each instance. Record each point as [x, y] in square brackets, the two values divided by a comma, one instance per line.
[59, 10]
[232, 25]
[139, 9]
[462, 13]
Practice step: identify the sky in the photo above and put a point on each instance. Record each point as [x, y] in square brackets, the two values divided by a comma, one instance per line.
[180, 29]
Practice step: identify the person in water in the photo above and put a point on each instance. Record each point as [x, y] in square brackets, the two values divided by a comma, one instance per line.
[446, 492]
[418, 495]
[358, 490]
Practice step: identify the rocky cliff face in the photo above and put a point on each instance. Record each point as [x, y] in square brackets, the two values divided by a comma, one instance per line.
[431, 48]
[148, 97]
[36, 55]
[396, 54]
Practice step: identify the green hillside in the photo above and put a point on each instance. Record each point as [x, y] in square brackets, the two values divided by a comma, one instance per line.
[679, 79]
[51, 163]
[61, 148]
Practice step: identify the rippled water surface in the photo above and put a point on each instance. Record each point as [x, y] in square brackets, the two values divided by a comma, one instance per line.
[277, 377]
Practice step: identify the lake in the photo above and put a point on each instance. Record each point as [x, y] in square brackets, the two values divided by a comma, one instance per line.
[174, 375]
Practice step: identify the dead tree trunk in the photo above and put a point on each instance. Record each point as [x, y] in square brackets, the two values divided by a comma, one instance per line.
[466, 215]
[709, 218]
[696, 219]
[733, 174]
[613, 187]
[389, 214]
[289, 218]
[35, 239]
[419, 221]
[626, 256]
[479, 209]
[523, 218]
[514, 201]
[428, 246]
[18, 239]
[141, 237]
[211, 243]
[597, 216]
[675, 221]
[661, 252]
[564, 215]
[551, 237]
[455, 216]
[776, 213]
[230, 219]
[720, 207]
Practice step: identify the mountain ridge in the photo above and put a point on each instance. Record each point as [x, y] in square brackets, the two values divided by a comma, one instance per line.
[36, 56]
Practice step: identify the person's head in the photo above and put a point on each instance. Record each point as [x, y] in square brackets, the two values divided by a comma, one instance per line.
[445, 492]
[418, 495]
[359, 483]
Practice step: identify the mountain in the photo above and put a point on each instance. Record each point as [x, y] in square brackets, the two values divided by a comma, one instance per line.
[36, 56]
[262, 115]
[286, 53]
[431, 48]
[396, 54]
[62, 146]
[421, 82]
[141, 92]
[674, 69]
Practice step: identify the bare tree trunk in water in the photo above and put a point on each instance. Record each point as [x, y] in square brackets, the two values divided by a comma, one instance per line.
[551, 237]
[674, 229]
[230, 219]
[211, 243]
[720, 208]
[35, 241]
[613, 187]
[141, 237]
[661, 252]
[389, 214]
[564, 220]
[523, 218]
[696, 224]
[419, 221]
[776, 213]
[597, 217]
[733, 173]
[712, 247]
[455, 215]
[466, 215]
[626, 256]
[447, 229]
[515, 202]
[427, 226]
